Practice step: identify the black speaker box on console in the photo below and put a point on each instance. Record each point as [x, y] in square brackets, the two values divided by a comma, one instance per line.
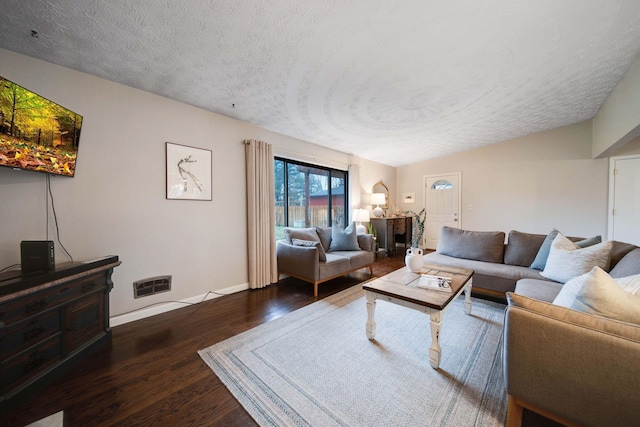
[37, 255]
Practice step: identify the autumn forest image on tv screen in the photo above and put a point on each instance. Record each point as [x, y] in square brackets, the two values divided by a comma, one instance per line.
[36, 133]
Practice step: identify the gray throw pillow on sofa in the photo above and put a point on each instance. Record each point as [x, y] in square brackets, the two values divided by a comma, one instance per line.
[322, 256]
[325, 237]
[589, 242]
[300, 233]
[477, 245]
[344, 240]
[543, 253]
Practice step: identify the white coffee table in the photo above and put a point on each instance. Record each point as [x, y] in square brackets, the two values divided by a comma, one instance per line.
[399, 287]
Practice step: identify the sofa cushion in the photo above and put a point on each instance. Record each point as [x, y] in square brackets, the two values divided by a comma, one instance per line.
[522, 248]
[598, 293]
[567, 261]
[513, 272]
[357, 259]
[619, 251]
[322, 256]
[476, 245]
[542, 290]
[628, 265]
[336, 265]
[543, 253]
[324, 233]
[344, 240]
[301, 234]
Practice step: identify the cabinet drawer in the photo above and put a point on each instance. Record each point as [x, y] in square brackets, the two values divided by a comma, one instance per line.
[29, 363]
[38, 302]
[85, 320]
[21, 335]
[399, 226]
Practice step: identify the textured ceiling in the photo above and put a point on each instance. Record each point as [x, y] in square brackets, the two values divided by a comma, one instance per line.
[391, 81]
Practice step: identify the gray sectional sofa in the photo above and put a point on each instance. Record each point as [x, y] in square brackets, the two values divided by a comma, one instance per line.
[571, 351]
[499, 265]
[318, 254]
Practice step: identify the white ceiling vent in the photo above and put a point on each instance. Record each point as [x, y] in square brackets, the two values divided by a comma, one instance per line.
[151, 286]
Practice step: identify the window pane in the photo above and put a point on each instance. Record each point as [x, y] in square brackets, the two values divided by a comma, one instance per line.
[338, 199]
[442, 184]
[319, 199]
[280, 192]
[308, 196]
[297, 202]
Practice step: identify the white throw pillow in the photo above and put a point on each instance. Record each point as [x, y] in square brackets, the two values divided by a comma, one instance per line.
[567, 261]
[569, 291]
[630, 284]
[601, 295]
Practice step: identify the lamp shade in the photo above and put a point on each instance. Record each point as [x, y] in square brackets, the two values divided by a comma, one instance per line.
[361, 215]
[378, 199]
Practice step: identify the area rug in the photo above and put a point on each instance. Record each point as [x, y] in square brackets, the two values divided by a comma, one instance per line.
[316, 367]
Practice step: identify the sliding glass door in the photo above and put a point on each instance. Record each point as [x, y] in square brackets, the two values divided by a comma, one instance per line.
[308, 195]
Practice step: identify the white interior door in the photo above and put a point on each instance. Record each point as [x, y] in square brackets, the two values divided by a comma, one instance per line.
[442, 200]
[624, 199]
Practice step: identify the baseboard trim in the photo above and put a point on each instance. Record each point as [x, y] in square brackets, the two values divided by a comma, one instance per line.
[170, 306]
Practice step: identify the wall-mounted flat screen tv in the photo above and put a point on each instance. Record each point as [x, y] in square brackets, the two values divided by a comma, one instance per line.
[35, 133]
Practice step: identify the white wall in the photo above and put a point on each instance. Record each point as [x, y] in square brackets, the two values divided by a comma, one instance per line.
[115, 205]
[530, 184]
[618, 120]
[633, 147]
[370, 174]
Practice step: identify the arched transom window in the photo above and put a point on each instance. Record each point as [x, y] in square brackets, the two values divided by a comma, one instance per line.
[442, 184]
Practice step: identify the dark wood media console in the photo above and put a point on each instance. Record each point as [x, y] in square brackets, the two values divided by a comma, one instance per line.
[48, 321]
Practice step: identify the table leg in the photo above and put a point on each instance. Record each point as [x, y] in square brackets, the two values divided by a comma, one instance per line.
[467, 296]
[435, 350]
[371, 308]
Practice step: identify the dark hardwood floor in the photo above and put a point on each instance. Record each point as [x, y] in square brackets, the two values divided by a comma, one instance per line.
[151, 374]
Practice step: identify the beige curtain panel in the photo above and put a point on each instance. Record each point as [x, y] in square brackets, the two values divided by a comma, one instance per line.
[263, 268]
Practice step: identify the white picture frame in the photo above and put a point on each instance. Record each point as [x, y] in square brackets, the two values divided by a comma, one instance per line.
[189, 175]
[408, 198]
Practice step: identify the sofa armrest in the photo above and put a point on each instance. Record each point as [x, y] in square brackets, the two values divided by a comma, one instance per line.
[301, 261]
[578, 368]
[366, 242]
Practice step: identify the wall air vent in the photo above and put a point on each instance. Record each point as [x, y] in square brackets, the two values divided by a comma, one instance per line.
[151, 286]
